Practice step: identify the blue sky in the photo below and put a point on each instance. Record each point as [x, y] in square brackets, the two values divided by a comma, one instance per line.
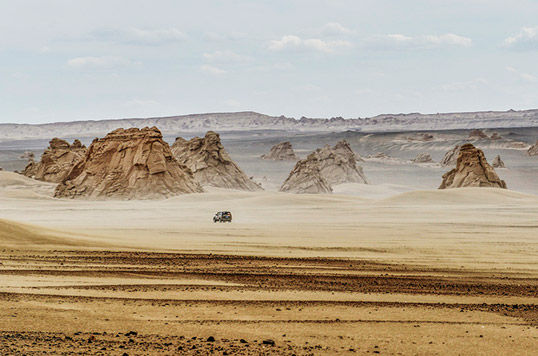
[63, 60]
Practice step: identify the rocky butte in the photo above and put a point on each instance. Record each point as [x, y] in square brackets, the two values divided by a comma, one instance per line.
[472, 170]
[323, 168]
[128, 164]
[498, 162]
[306, 178]
[281, 152]
[533, 151]
[211, 164]
[423, 158]
[451, 157]
[477, 134]
[56, 162]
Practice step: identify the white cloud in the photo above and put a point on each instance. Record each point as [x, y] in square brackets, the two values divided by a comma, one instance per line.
[465, 85]
[334, 28]
[315, 44]
[527, 38]
[398, 40]
[99, 62]
[398, 37]
[225, 56]
[212, 70]
[139, 36]
[19, 75]
[522, 75]
[448, 39]
[280, 66]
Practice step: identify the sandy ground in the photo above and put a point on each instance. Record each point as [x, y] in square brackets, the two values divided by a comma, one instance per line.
[370, 270]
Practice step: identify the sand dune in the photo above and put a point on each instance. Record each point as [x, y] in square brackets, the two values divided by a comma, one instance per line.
[472, 196]
[16, 235]
[470, 226]
[13, 185]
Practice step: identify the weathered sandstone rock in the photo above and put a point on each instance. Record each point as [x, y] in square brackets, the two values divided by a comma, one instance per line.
[211, 164]
[422, 136]
[56, 162]
[497, 162]
[128, 164]
[472, 170]
[323, 168]
[338, 164]
[477, 134]
[306, 178]
[451, 157]
[423, 158]
[533, 151]
[281, 152]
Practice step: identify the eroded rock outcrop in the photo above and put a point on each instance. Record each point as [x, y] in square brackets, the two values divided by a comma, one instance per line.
[31, 166]
[306, 178]
[495, 136]
[477, 134]
[423, 158]
[422, 136]
[338, 164]
[211, 164]
[128, 164]
[451, 157]
[281, 152]
[56, 162]
[533, 151]
[472, 170]
[323, 168]
[497, 162]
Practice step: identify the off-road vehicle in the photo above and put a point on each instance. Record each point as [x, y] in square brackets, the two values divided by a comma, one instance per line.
[222, 216]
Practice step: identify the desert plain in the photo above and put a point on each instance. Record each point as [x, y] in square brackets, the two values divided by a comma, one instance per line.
[391, 267]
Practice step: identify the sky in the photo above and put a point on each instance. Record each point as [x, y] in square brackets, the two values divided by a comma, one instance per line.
[64, 60]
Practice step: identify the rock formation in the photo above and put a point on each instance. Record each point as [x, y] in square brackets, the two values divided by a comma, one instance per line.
[210, 163]
[306, 178]
[28, 155]
[472, 170]
[423, 158]
[323, 168]
[477, 134]
[56, 162]
[128, 164]
[379, 156]
[451, 157]
[31, 167]
[338, 164]
[423, 137]
[533, 151]
[281, 152]
[497, 162]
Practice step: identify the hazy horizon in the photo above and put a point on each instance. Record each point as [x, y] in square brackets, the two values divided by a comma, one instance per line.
[247, 111]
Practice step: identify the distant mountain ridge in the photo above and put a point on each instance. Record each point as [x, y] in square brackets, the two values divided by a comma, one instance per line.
[249, 120]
